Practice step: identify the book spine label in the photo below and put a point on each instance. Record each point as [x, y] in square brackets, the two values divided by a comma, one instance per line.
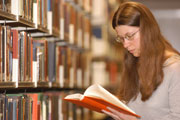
[79, 38]
[35, 75]
[15, 7]
[38, 66]
[50, 109]
[60, 109]
[61, 75]
[49, 21]
[62, 29]
[35, 16]
[71, 33]
[79, 78]
[71, 83]
[43, 110]
[15, 71]
[21, 8]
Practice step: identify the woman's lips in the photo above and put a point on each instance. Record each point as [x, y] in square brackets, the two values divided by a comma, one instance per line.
[131, 51]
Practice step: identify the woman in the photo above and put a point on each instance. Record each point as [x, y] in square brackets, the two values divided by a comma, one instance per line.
[151, 74]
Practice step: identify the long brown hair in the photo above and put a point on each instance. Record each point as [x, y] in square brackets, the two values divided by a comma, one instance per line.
[145, 73]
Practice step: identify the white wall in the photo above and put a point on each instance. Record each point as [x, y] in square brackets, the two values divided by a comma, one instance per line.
[167, 13]
[170, 26]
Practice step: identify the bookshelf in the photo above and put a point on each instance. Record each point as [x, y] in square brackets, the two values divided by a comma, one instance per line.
[7, 16]
[106, 53]
[45, 54]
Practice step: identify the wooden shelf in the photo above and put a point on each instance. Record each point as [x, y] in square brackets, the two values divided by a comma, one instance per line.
[30, 87]
[43, 29]
[55, 33]
[72, 46]
[25, 23]
[7, 84]
[25, 84]
[101, 58]
[39, 29]
[36, 90]
[43, 84]
[43, 33]
[55, 85]
[22, 22]
[7, 16]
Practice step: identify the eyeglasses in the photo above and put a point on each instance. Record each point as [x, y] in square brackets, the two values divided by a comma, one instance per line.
[127, 37]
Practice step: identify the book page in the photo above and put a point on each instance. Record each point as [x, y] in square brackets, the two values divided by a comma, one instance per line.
[76, 96]
[99, 92]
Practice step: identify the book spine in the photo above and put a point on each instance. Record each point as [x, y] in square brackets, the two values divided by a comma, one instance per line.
[49, 21]
[79, 31]
[51, 61]
[50, 109]
[28, 53]
[9, 56]
[15, 69]
[35, 14]
[1, 53]
[35, 73]
[61, 20]
[60, 109]
[71, 24]
[15, 7]
[21, 56]
[61, 74]
[25, 54]
[31, 59]
[46, 61]
[5, 54]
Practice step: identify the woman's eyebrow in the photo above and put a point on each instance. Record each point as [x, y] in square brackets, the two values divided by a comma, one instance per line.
[128, 33]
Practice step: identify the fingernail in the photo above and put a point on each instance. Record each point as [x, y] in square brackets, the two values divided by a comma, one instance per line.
[109, 108]
[104, 111]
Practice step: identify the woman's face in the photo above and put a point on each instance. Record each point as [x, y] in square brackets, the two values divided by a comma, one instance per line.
[129, 36]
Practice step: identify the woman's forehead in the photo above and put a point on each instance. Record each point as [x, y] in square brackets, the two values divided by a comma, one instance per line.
[123, 29]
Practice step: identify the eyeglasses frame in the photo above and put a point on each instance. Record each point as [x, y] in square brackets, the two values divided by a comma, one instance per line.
[127, 37]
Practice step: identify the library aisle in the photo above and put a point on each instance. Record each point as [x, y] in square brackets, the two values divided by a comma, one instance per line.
[52, 48]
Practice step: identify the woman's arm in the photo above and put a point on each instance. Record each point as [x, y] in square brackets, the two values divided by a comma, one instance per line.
[173, 100]
[174, 95]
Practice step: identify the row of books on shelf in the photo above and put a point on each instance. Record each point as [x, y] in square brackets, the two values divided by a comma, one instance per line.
[65, 18]
[40, 106]
[24, 59]
[106, 72]
[27, 6]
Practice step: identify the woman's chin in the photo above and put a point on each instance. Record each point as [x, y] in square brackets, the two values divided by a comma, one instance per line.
[135, 54]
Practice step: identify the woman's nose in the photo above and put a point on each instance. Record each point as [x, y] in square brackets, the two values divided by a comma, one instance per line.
[126, 43]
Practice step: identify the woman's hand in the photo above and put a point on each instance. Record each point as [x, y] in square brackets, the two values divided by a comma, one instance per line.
[118, 116]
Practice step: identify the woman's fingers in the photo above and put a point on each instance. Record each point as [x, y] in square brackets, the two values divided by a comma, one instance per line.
[113, 110]
[111, 114]
[121, 115]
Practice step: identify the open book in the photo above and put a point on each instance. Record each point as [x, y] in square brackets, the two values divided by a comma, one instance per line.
[97, 98]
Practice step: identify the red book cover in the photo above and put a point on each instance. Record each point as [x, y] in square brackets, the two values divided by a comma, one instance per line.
[96, 98]
[35, 106]
[15, 43]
